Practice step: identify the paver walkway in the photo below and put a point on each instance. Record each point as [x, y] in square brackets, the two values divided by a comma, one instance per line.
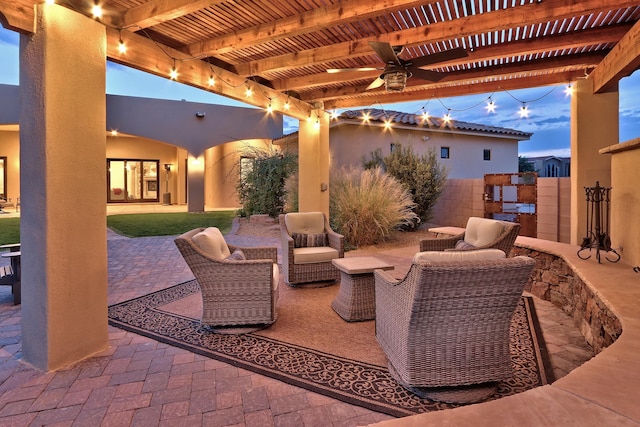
[139, 382]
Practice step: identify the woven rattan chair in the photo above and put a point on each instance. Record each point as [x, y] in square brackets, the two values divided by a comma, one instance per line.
[234, 291]
[306, 259]
[481, 233]
[445, 326]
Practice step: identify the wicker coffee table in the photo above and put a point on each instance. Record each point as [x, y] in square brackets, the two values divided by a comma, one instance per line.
[356, 299]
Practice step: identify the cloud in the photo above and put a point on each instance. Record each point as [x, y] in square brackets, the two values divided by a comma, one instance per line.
[557, 152]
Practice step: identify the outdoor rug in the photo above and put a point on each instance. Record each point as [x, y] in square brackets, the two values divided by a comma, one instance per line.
[311, 347]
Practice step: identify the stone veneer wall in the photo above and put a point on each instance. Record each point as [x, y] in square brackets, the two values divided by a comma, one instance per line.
[555, 281]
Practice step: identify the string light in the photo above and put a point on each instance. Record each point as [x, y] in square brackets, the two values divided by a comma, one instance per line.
[334, 114]
[212, 80]
[568, 91]
[491, 106]
[248, 93]
[524, 111]
[114, 132]
[447, 117]
[425, 116]
[365, 116]
[50, 2]
[173, 74]
[287, 105]
[316, 125]
[269, 107]
[122, 48]
[96, 11]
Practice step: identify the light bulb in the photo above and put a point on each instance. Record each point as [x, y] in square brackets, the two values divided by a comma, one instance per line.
[365, 116]
[334, 114]
[122, 48]
[387, 124]
[491, 106]
[316, 125]
[269, 109]
[568, 91]
[248, 93]
[173, 74]
[425, 116]
[212, 81]
[524, 112]
[447, 117]
[96, 11]
[287, 105]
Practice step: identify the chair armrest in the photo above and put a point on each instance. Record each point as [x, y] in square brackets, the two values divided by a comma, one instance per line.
[257, 252]
[440, 244]
[336, 241]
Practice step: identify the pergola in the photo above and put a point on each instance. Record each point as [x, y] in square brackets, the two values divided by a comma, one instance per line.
[280, 50]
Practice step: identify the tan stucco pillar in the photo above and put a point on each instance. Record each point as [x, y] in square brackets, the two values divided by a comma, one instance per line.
[195, 183]
[63, 184]
[594, 125]
[313, 165]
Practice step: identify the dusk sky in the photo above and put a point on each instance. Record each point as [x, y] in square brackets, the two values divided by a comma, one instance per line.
[548, 117]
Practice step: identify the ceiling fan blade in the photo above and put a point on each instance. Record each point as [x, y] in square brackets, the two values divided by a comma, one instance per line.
[428, 75]
[376, 83]
[385, 52]
[434, 58]
[347, 70]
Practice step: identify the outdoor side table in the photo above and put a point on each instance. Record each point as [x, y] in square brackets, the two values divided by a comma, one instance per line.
[15, 278]
[356, 299]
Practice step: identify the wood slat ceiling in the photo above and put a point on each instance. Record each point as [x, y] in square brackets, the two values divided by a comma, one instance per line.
[282, 48]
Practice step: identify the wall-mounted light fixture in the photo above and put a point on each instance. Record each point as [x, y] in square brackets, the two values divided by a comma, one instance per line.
[200, 114]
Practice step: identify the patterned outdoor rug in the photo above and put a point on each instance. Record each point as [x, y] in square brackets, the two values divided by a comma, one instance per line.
[347, 379]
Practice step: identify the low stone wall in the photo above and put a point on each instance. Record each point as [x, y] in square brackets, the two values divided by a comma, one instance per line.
[555, 281]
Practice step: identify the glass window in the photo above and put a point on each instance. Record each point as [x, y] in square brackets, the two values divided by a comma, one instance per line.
[444, 152]
[486, 155]
[132, 180]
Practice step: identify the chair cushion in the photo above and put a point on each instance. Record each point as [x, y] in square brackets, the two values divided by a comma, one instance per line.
[304, 222]
[301, 240]
[313, 255]
[211, 241]
[464, 246]
[275, 279]
[482, 231]
[432, 257]
[237, 255]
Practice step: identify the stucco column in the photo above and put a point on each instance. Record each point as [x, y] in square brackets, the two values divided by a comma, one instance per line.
[594, 125]
[63, 185]
[195, 183]
[313, 165]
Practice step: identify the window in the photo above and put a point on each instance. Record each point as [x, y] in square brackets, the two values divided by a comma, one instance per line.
[132, 180]
[486, 155]
[444, 152]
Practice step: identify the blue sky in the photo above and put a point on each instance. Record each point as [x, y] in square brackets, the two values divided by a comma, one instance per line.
[548, 117]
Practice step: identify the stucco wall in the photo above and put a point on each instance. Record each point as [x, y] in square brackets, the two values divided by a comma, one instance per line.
[10, 148]
[625, 201]
[350, 144]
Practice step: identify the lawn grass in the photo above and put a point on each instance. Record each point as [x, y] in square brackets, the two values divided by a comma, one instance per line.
[168, 224]
[9, 231]
[141, 225]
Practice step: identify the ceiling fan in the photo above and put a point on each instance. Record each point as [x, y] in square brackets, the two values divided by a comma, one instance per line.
[397, 70]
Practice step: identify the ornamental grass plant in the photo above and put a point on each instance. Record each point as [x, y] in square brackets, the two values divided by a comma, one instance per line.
[367, 205]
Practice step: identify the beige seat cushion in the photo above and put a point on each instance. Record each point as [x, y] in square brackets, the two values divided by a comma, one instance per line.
[482, 231]
[276, 277]
[432, 257]
[304, 222]
[211, 241]
[312, 255]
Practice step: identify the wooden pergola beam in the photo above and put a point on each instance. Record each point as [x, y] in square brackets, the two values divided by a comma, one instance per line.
[154, 58]
[622, 61]
[156, 12]
[528, 14]
[313, 20]
[513, 49]
[453, 91]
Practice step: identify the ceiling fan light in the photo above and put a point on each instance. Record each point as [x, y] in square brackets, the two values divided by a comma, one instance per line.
[395, 81]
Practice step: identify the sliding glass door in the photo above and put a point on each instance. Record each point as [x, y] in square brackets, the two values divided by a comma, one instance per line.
[132, 181]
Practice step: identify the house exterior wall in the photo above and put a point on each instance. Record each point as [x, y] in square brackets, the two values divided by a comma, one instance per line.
[10, 148]
[351, 144]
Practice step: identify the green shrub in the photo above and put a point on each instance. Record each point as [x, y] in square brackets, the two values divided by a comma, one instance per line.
[366, 205]
[421, 175]
[262, 191]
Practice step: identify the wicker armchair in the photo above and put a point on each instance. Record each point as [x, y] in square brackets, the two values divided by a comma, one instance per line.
[445, 326]
[234, 291]
[307, 259]
[480, 233]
